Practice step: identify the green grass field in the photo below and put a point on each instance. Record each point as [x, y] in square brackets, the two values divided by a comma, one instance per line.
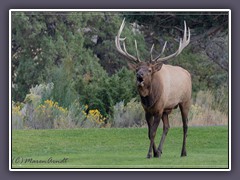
[207, 147]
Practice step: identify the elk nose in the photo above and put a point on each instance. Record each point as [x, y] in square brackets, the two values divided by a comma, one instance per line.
[139, 75]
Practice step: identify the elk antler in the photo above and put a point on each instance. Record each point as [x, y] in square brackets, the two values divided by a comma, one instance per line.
[182, 44]
[160, 53]
[124, 51]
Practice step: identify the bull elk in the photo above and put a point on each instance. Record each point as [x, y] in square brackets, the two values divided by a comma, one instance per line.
[161, 87]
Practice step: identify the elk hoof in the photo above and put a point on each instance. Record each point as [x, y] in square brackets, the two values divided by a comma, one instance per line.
[149, 156]
[183, 154]
[157, 154]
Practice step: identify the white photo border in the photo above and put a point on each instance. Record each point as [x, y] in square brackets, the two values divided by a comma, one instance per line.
[118, 10]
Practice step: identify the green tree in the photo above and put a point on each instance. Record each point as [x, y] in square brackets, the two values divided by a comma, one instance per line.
[40, 41]
[76, 52]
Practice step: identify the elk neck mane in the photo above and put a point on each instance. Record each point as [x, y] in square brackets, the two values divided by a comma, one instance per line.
[155, 91]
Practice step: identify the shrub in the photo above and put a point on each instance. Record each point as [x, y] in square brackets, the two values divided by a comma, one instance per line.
[204, 111]
[203, 116]
[49, 115]
[207, 110]
[129, 115]
[216, 100]
[31, 102]
[17, 116]
[37, 95]
[42, 90]
[103, 92]
[77, 113]
[85, 118]
[94, 119]
[204, 99]
[221, 99]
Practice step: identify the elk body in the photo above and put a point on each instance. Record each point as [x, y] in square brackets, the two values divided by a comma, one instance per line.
[162, 88]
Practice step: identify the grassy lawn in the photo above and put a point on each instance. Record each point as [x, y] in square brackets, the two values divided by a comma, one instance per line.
[207, 147]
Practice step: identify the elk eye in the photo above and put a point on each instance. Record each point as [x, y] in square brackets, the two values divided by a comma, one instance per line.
[150, 70]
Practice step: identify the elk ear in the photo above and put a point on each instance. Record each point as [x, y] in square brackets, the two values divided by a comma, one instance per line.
[157, 66]
[132, 66]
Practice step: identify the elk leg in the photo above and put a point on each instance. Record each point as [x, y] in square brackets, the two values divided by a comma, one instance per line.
[164, 134]
[152, 128]
[149, 119]
[184, 111]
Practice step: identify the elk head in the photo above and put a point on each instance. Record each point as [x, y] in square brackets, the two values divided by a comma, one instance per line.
[146, 69]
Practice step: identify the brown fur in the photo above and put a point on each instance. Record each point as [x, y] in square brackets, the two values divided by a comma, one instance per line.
[163, 88]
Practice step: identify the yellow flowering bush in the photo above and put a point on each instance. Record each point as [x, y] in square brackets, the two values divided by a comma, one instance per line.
[17, 116]
[95, 117]
[49, 104]
[50, 115]
[16, 109]
[39, 112]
